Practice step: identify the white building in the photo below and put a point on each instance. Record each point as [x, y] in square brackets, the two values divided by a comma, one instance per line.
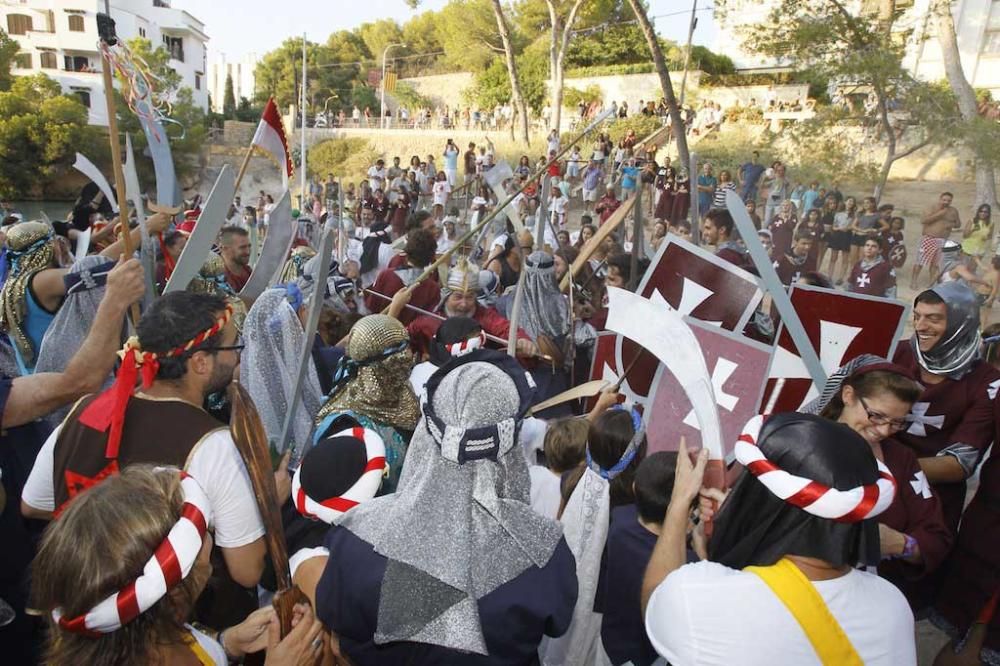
[242, 71]
[59, 38]
[977, 24]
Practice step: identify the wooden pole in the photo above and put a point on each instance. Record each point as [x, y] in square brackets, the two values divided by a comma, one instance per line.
[243, 168]
[116, 163]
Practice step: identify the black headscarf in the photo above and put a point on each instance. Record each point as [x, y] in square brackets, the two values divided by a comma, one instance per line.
[755, 527]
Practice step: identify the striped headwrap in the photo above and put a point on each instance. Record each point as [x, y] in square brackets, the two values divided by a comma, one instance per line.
[108, 410]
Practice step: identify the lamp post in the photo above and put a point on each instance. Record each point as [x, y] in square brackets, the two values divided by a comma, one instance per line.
[385, 55]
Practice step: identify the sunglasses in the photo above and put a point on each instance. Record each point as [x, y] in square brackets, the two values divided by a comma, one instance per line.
[880, 419]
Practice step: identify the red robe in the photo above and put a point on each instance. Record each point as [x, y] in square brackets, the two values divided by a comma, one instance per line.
[425, 295]
[423, 328]
[972, 572]
[875, 281]
[916, 511]
[789, 272]
[951, 412]
[607, 205]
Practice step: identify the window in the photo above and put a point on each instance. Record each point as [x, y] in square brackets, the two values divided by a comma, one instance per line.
[197, 81]
[82, 94]
[175, 46]
[77, 64]
[49, 60]
[22, 61]
[75, 23]
[142, 32]
[992, 42]
[18, 24]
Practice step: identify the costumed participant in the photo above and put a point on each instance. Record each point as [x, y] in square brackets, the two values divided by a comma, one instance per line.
[234, 248]
[134, 606]
[873, 275]
[211, 279]
[506, 264]
[957, 267]
[24, 401]
[340, 472]
[545, 318]
[489, 285]
[269, 365]
[372, 389]
[295, 265]
[968, 603]
[186, 350]
[718, 229]
[874, 398]
[952, 422]
[615, 447]
[494, 576]
[85, 286]
[459, 299]
[791, 265]
[376, 252]
[781, 586]
[456, 336]
[418, 255]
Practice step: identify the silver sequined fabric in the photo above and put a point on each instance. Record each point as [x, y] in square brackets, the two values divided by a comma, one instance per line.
[543, 310]
[454, 533]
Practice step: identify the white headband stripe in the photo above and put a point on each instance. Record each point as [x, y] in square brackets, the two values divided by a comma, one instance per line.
[465, 346]
[363, 489]
[170, 564]
[812, 496]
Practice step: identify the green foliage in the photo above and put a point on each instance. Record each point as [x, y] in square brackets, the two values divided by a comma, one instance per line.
[346, 157]
[610, 70]
[8, 50]
[745, 114]
[279, 72]
[379, 34]
[247, 112]
[709, 62]
[229, 99]
[492, 86]
[40, 132]
[643, 126]
[408, 96]
[573, 96]
[615, 45]
[467, 30]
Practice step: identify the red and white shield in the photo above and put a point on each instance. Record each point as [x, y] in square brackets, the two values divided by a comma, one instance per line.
[897, 255]
[841, 326]
[696, 283]
[739, 368]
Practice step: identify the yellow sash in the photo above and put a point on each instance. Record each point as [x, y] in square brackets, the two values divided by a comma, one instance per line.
[800, 597]
[198, 650]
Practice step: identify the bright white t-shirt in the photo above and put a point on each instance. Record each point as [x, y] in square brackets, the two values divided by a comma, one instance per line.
[441, 191]
[545, 494]
[706, 613]
[214, 463]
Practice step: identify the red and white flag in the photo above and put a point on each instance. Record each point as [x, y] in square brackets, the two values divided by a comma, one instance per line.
[270, 137]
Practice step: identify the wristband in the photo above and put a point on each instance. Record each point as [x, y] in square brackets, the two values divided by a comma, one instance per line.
[909, 548]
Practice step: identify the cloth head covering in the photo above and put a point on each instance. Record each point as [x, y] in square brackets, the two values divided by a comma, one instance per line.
[85, 284]
[459, 525]
[456, 336]
[543, 309]
[488, 283]
[959, 348]
[29, 250]
[269, 367]
[295, 266]
[373, 378]
[756, 527]
[380, 233]
[340, 472]
[951, 257]
[857, 366]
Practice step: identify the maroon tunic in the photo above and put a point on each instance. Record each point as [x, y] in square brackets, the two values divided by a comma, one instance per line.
[782, 233]
[422, 329]
[951, 412]
[972, 572]
[875, 281]
[916, 510]
[425, 295]
[790, 272]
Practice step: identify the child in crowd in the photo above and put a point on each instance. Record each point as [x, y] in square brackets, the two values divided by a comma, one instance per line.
[631, 538]
[565, 441]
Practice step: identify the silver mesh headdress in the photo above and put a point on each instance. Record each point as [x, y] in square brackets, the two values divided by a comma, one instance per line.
[274, 342]
[455, 531]
[544, 309]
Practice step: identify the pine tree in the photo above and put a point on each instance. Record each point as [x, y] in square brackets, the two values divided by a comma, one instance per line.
[229, 100]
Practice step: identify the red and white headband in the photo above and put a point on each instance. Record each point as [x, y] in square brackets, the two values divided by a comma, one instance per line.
[365, 488]
[465, 346]
[171, 562]
[844, 506]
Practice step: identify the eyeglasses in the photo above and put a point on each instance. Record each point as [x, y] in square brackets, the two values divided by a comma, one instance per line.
[239, 346]
[879, 419]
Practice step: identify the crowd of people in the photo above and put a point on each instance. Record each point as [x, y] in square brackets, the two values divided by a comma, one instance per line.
[429, 513]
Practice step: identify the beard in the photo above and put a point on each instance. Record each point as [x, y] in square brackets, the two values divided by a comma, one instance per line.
[222, 376]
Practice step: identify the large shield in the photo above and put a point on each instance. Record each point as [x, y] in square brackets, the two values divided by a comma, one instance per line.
[841, 326]
[897, 255]
[698, 284]
[739, 368]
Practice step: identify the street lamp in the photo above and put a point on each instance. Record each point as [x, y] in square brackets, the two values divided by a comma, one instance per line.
[385, 54]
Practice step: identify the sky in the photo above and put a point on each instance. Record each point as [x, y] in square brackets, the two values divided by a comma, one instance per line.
[238, 27]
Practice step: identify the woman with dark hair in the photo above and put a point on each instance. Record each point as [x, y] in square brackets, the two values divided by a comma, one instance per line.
[506, 264]
[616, 445]
[523, 167]
[978, 233]
[587, 232]
[874, 398]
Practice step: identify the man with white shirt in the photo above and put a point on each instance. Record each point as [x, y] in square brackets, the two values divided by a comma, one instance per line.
[191, 344]
[781, 586]
[377, 175]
